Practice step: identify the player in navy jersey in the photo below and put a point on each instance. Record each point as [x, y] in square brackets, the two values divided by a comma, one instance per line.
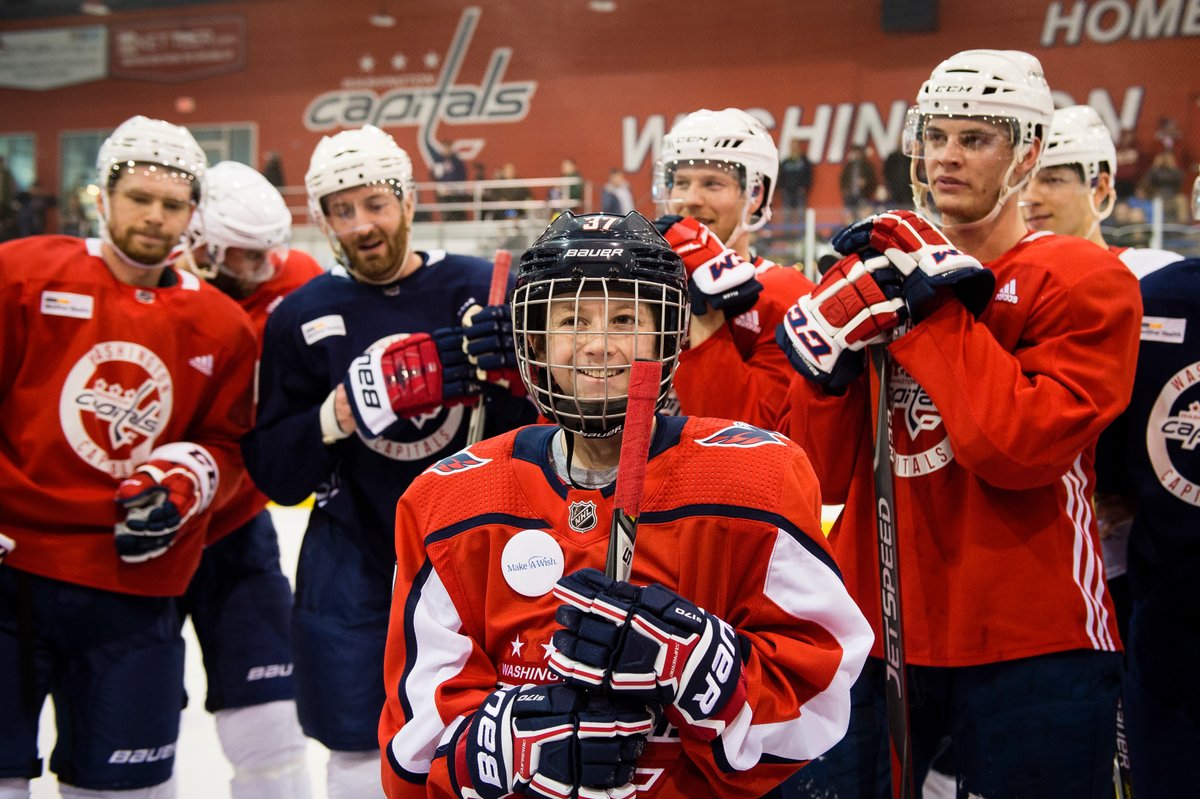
[356, 398]
[1150, 461]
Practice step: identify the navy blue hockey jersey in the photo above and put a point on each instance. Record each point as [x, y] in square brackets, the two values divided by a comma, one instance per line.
[309, 342]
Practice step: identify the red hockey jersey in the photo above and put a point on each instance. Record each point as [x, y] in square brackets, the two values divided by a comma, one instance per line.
[298, 269]
[995, 424]
[739, 372]
[482, 536]
[94, 374]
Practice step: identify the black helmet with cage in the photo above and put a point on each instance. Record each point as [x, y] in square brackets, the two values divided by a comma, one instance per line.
[604, 282]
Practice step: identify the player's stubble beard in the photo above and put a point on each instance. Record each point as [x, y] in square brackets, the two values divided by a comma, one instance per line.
[385, 266]
[151, 255]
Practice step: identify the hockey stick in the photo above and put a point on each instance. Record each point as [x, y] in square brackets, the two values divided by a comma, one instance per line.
[889, 584]
[631, 468]
[1122, 769]
[496, 291]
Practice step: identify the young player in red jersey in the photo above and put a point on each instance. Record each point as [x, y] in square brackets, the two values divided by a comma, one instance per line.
[240, 601]
[995, 409]
[513, 664]
[126, 385]
[715, 182]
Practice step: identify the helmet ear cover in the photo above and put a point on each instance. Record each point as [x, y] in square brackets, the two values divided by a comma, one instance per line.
[597, 256]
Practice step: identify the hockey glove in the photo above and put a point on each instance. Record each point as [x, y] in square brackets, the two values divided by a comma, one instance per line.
[405, 379]
[489, 345]
[550, 741]
[160, 497]
[925, 257]
[718, 278]
[856, 304]
[650, 643]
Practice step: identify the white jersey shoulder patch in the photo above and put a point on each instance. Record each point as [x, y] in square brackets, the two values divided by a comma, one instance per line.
[323, 327]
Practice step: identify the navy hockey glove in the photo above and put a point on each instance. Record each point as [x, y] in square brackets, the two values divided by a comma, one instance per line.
[651, 643]
[856, 304]
[403, 380]
[926, 258]
[160, 497]
[550, 741]
[718, 277]
[489, 345]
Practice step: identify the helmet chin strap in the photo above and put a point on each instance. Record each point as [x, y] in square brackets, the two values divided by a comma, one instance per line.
[921, 192]
[344, 259]
[106, 237]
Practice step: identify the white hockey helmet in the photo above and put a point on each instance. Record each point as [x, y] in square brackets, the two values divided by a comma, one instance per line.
[154, 143]
[242, 210]
[140, 140]
[730, 138]
[1079, 136]
[363, 156]
[1003, 86]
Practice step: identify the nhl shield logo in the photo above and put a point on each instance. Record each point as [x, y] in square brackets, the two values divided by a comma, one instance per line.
[581, 516]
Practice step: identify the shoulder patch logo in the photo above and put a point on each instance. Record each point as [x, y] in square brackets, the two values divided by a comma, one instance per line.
[1165, 329]
[742, 435]
[202, 364]
[1008, 292]
[458, 462]
[323, 327]
[65, 303]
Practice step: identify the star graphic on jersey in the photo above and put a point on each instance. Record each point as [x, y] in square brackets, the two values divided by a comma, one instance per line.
[366, 63]
[431, 59]
[399, 62]
[517, 645]
[549, 647]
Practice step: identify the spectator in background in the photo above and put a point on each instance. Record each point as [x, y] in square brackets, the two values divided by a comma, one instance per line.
[858, 182]
[896, 178]
[32, 206]
[1162, 180]
[72, 221]
[273, 169]
[795, 180]
[1168, 135]
[574, 189]
[618, 197]
[1129, 164]
[449, 168]
[513, 194]
[8, 202]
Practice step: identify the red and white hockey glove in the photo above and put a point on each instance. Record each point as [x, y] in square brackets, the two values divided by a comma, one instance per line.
[856, 304]
[651, 643]
[925, 257]
[161, 496]
[551, 742]
[406, 379]
[718, 277]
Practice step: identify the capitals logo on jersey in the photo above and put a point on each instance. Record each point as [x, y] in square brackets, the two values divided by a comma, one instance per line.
[115, 402]
[1173, 434]
[457, 463]
[743, 436]
[921, 453]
